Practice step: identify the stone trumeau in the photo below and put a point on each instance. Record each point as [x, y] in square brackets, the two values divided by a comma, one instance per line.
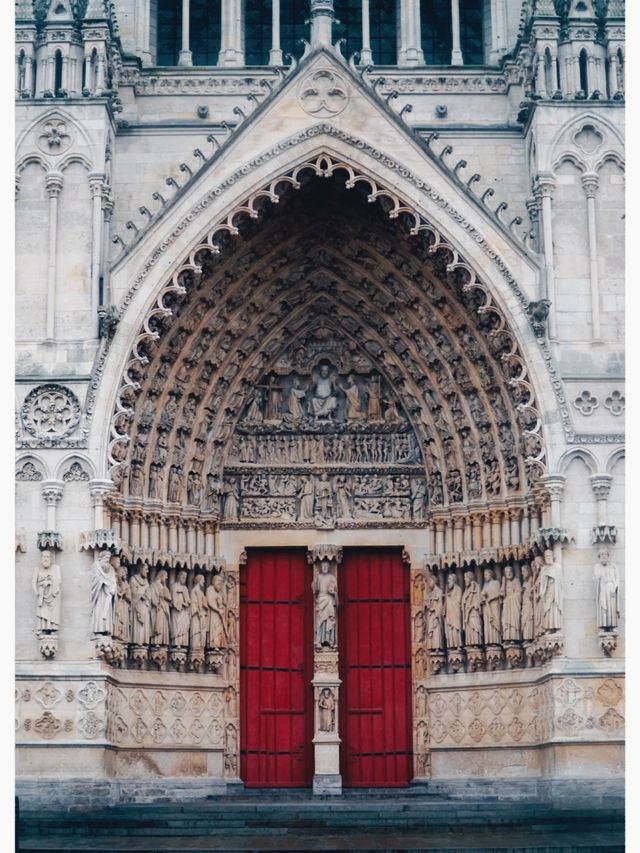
[326, 305]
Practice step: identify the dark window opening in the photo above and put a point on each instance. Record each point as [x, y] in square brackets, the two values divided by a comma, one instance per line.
[57, 85]
[472, 32]
[257, 31]
[204, 31]
[349, 14]
[435, 26]
[293, 14]
[169, 31]
[384, 31]
[583, 72]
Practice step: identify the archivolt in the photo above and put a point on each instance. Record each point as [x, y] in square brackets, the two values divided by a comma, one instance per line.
[414, 304]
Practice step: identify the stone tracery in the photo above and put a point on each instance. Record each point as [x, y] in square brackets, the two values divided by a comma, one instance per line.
[217, 375]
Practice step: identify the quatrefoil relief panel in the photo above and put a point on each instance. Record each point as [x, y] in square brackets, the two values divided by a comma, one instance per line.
[615, 403]
[50, 411]
[586, 403]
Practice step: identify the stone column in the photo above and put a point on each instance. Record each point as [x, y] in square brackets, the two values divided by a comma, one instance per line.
[275, 54]
[231, 52]
[554, 484]
[541, 81]
[322, 18]
[99, 489]
[410, 52]
[498, 31]
[590, 184]
[613, 73]
[603, 531]
[545, 185]
[52, 491]
[366, 56]
[456, 50]
[185, 57]
[326, 682]
[53, 183]
[96, 182]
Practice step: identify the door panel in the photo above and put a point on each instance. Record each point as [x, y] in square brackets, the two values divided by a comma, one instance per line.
[375, 654]
[275, 669]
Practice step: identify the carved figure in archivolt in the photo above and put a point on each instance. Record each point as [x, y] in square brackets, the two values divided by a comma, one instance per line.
[216, 601]
[491, 608]
[527, 625]
[327, 710]
[511, 595]
[199, 607]
[46, 585]
[323, 401]
[104, 586]
[140, 607]
[453, 613]
[325, 588]
[122, 605]
[471, 616]
[551, 592]
[354, 405]
[434, 609]
[160, 598]
[607, 591]
[180, 607]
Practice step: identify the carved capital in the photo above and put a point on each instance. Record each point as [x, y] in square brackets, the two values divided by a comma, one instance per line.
[608, 641]
[554, 485]
[49, 539]
[601, 485]
[99, 489]
[52, 491]
[544, 185]
[590, 182]
[96, 184]
[54, 182]
[104, 538]
[604, 534]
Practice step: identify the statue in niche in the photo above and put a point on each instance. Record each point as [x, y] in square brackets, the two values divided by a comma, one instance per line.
[323, 401]
[419, 587]
[254, 412]
[156, 482]
[435, 614]
[46, 585]
[420, 664]
[295, 401]
[325, 588]
[343, 498]
[216, 600]
[511, 595]
[231, 501]
[198, 626]
[174, 491]
[374, 409]
[160, 599]
[527, 626]
[231, 700]
[324, 497]
[418, 499]
[471, 617]
[607, 591]
[419, 627]
[327, 710]
[307, 497]
[537, 597]
[491, 609]
[551, 592]
[180, 606]
[140, 607]
[453, 613]
[352, 393]
[104, 586]
[273, 392]
[122, 604]
[214, 489]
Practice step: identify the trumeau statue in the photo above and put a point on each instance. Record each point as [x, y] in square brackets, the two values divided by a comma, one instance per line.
[140, 607]
[607, 591]
[104, 586]
[491, 608]
[325, 588]
[435, 615]
[511, 595]
[160, 598]
[551, 592]
[471, 604]
[46, 585]
[453, 612]
[180, 611]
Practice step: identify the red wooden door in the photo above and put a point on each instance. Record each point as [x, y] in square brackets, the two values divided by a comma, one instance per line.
[276, 650]
[375, 654]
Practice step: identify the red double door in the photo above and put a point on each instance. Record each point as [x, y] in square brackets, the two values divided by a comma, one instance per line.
[276, 668]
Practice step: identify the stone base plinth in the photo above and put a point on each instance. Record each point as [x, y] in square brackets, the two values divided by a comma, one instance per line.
[327, 784]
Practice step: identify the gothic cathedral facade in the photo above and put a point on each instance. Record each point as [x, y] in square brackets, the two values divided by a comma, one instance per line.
[320, 401]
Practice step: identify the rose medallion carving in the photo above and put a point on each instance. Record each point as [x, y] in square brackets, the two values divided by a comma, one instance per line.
[50, 411]
[323, 93]
[54, 137]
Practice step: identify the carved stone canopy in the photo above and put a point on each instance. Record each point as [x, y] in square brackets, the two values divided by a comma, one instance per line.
[326, 370]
